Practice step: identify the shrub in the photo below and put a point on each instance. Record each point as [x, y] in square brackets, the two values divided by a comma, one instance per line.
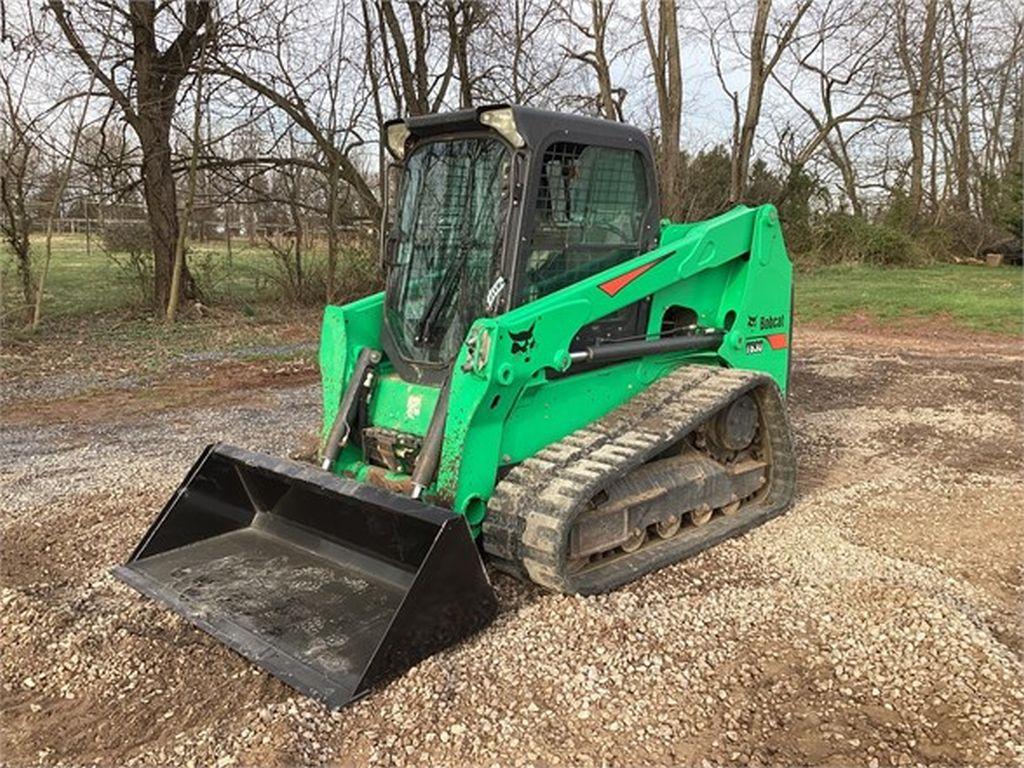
[127, 244]
[210, 271]
[358, 271]
[303, 280]
[839, 238]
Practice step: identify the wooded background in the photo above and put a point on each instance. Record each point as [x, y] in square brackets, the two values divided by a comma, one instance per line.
[886, 131]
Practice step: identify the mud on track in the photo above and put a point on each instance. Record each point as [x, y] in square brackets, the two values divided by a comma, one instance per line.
[878, 622]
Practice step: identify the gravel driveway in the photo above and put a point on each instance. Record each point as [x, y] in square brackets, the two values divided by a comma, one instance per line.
[878, 623]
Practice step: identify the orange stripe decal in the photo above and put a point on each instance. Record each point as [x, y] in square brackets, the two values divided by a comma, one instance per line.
[616, 284]
[778, 341]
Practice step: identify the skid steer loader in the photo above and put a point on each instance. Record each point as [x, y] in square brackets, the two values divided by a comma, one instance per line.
[553, 378]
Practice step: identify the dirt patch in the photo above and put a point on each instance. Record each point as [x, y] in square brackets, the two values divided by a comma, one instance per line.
[108, 685]
[114, 346]
[78, 532]
[948, 340]
[878, 623]
[940, 327]
[208, 385]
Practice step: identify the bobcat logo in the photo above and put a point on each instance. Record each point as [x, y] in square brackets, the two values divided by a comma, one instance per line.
[523, 341]
[767, 321]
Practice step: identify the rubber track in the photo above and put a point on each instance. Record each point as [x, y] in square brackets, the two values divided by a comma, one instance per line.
[533, 508]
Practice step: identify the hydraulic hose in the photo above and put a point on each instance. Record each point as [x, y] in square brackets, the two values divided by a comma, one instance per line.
[626, 350]
[430, 452]
[359, 386]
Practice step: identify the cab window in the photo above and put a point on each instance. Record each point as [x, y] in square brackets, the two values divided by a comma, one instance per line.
[591, 206]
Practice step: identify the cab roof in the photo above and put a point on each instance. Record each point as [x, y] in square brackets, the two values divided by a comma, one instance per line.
[536, 126]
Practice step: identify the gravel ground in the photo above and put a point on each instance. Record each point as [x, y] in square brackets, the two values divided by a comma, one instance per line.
[878, 623]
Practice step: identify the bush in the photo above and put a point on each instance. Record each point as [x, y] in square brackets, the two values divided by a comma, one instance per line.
[841, 238]
[210, 272]
[128, 246]
[358, 271]
[303, 280]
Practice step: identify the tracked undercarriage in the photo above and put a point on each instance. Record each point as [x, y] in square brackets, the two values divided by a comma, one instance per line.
[702, 455]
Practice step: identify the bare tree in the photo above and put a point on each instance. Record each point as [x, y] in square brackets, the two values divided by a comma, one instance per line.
[316, 83]
[761, 62]
[190, 193]
[663, 50]
[916, 54]
[997, 73]
[143, 77]
[520, 48]
[594, 49]
[58, 195]
[419, 77]
[961, 24]
[18, 142]
[883, 107]
[835, 62]
[464, 18]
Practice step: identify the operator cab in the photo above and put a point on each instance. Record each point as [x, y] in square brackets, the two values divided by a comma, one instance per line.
[498, 206]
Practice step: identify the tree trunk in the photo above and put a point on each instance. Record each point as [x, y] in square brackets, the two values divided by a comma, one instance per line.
[663, 49]
[16, 222]
[601, 67]
[162, 212]
[176, 290]
[671, 122]
[920, 95]
[460, 25]
[413, 73]
[962, 32]
[17, 138]
[149, 110]
[841, 159]
[755, 95]
[332, 230]
[23, 254]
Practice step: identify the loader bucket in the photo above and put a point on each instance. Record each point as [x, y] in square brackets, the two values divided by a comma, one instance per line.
[330, 585]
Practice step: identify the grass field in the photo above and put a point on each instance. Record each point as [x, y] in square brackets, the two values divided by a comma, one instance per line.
[84, 280]
[250, 282]
[95, 314]
[973, 296]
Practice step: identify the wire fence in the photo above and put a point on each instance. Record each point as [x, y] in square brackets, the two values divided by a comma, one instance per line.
[203, 230]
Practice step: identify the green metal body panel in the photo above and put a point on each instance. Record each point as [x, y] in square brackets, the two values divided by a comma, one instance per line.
[508, 401]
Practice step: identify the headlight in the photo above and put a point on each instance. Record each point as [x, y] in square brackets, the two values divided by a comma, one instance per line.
[396, 134]
[503, 120]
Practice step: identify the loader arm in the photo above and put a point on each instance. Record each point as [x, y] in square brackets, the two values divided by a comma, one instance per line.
[510, 392]
[670, 275]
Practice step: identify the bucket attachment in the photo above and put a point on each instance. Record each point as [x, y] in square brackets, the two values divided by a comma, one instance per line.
[330, 585]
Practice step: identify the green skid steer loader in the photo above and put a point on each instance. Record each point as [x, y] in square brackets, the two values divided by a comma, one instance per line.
[553, 378]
